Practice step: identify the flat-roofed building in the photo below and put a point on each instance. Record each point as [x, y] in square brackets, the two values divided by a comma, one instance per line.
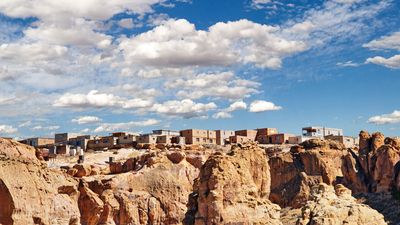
[281, 138]
[194, 136]
[237, 139]
[223, 136]
[164, 139]
[300, 139]
[38, 141]
[166, 132]
[251, 134]
[349, 142]
[102, 143]
[321, 132]
[127, 140]
[63, 138]
[147, 139]
[80, 141]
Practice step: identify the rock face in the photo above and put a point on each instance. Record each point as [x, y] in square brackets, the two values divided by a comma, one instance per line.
[335, 205]
[30, 193]
[374, 169]
[312, 162]
[233, 188]
[150, 189]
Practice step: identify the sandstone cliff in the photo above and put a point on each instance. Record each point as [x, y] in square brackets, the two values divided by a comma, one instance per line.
[233, 188]
[30, 193]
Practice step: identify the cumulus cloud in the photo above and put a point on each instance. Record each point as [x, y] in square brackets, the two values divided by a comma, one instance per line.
[92, 99]
[239, 105]
[392, 62]
[391, 118]
[389, 42]
[6, 129]
[86, 119]
[220, 85]
[222, 115]
[178, 43]
[95, 99]
[110, 127]
[262, 106]
[81, 33]
[185, 108]
[63, 10]
[386, 42]
[35, 52]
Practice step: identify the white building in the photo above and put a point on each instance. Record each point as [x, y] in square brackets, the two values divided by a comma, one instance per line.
[321, 132]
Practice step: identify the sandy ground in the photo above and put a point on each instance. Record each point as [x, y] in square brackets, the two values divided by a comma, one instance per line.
[99, 158]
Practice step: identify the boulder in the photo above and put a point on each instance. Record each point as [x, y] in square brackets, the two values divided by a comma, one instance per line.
[176, 156]
[83, 170]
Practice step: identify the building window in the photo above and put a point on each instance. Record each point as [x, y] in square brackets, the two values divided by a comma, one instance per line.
[198, 139]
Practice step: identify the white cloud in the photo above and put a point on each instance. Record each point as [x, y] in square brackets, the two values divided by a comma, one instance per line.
[386, 42]
[177, 43]
[239, 105]
[95, 99]
[81, 33]
[391, 118]
[222, 115]
[86, 119]
[25, 124]
[262, 106]
[6, 129]
[39, 127]
[347, 64]
[223, 85]
[110, 127]
[92, 99]
[126, 23]
[392, 62]
[64, 10]
[34, 52]
[185, 108]
[333, 21]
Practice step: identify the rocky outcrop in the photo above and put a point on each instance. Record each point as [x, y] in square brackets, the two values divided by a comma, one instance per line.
[374, 168]
[150, 189]
[233, 188]
[335, 205]
[30, 193]
[294, 172]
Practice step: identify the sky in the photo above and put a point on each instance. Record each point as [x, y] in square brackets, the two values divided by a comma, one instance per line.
[100, 66]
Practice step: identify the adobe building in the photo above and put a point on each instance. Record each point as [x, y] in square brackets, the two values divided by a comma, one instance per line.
[63, 138]
[108, 142]
[80, 141]
[147, 139]
[222, 136]
[349, 142]
[263, 135]
[127, 140]
[250, 134]
[193, 136]
[237, 139]
[281, 138]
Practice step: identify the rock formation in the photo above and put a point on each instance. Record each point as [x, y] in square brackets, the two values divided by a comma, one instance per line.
[335, 205]
[294, 172]
[30, 193]
[233, 188]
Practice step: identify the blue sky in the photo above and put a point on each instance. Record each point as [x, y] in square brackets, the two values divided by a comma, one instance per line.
[103, 66]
